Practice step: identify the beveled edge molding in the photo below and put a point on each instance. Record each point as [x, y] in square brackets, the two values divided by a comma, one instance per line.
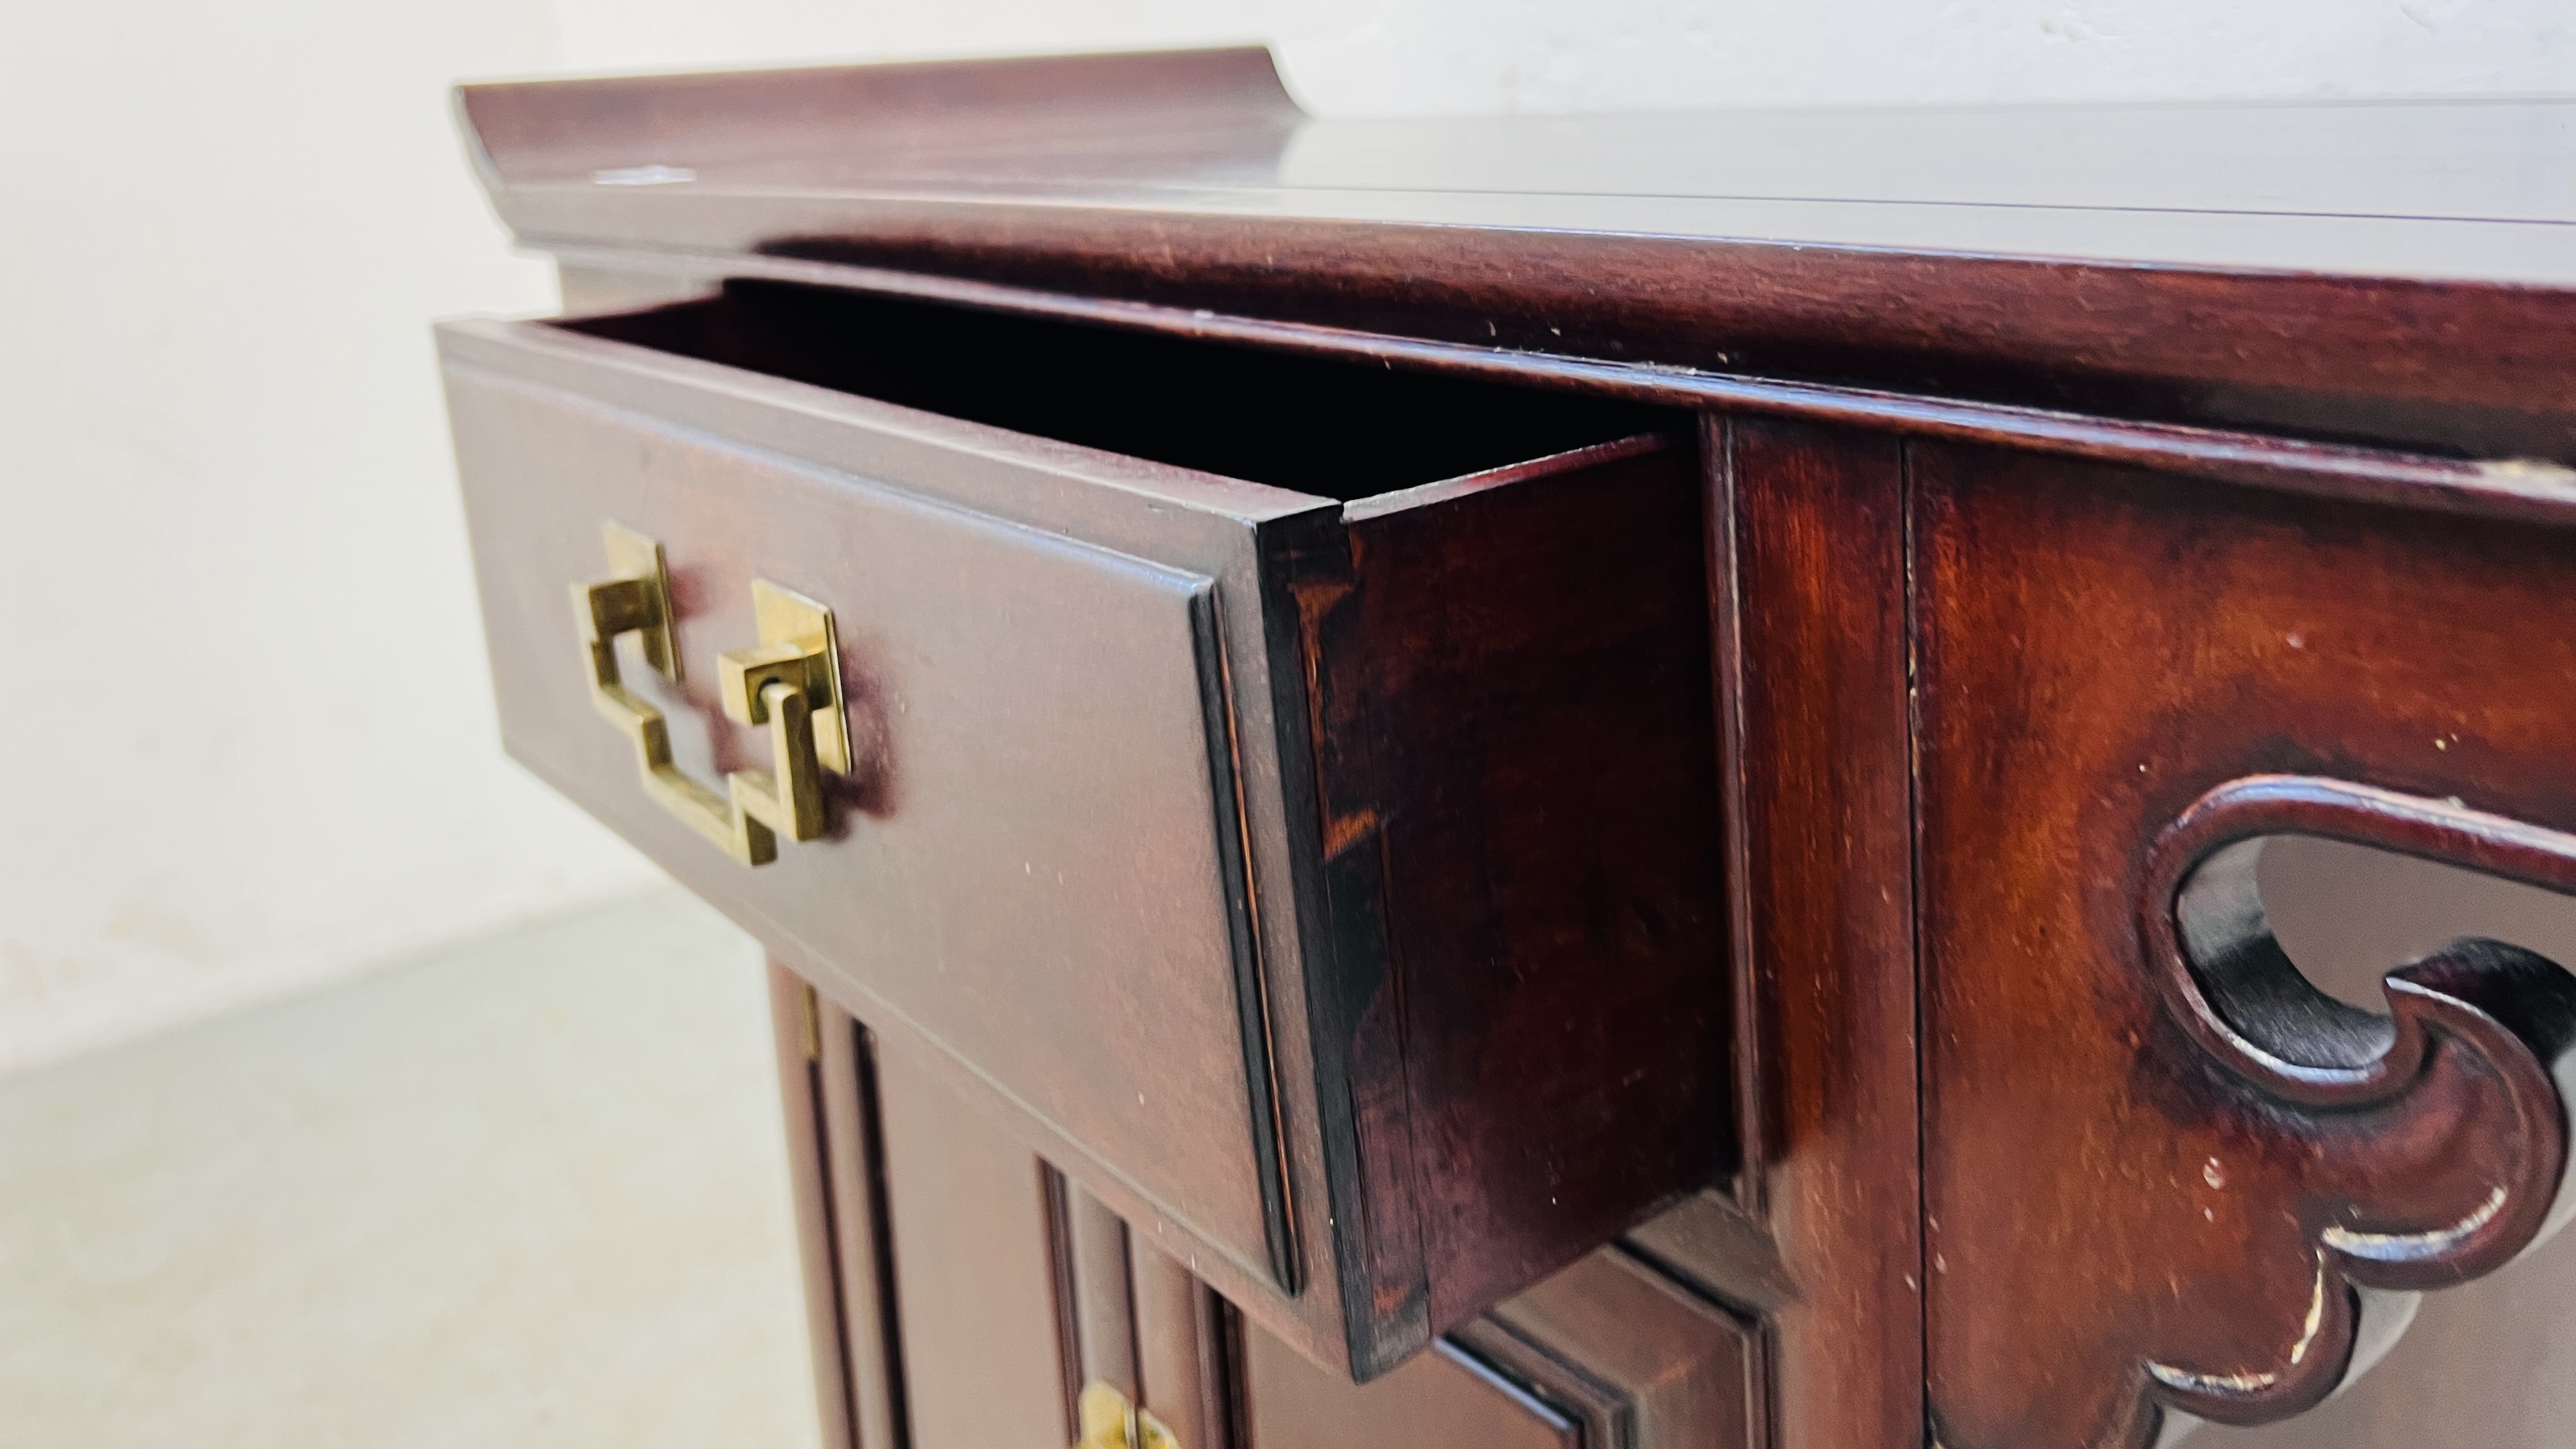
[2242, 1002]
[2524, 488]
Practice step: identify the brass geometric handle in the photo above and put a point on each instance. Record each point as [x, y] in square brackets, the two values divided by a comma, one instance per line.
[790, 682]
[1111, 1421]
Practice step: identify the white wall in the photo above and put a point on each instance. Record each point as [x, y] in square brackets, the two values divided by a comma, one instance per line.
[698, 34]
[248, 741]
[1432, 56]
[1429, 57]
[248, 738]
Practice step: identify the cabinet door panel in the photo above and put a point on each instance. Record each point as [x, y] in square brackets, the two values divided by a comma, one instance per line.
[794, 1014]
[975, 1268]
[1179, 1349]
[973, 1291]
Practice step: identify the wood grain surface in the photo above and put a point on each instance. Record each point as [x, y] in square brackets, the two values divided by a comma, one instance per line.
[2209, 1158]
[1513, 711]
[1757, 657]
[1496, 1034]
[2235, 266]
[1809, 537]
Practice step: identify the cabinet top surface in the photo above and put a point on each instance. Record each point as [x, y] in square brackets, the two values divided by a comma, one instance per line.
[2382, 274]
[2471, 190]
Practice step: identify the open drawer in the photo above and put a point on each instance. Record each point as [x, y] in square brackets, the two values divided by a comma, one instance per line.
[1285, 786]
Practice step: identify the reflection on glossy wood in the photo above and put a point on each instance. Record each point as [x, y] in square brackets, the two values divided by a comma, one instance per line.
[1812, 635]
[2054, 560]
[2202, 1213]
[1664, 1368]
[2225, 308]
[1250, 995]
[2491, 1363]
[1525, 899]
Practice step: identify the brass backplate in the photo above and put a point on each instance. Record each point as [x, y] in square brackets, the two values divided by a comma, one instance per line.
[632, 555]
[785, 616]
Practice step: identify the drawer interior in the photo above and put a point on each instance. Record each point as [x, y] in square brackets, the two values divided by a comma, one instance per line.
[1330, 428]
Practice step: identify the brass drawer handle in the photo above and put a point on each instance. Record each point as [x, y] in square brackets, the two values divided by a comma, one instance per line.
[1110, 1421]
[790, 682]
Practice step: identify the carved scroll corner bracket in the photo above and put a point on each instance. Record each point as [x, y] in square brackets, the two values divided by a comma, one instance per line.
[2416, 1149]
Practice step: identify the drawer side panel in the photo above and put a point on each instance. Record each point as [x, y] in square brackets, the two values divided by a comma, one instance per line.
[1517, 717]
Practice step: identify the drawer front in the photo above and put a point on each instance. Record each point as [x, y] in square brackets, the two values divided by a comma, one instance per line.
[1037, 861]
[1251, 848]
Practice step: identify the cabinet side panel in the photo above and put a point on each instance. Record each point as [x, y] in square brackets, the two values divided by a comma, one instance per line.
[1812, 635]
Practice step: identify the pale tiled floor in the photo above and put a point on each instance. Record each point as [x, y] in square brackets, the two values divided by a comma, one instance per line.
[529, 1192]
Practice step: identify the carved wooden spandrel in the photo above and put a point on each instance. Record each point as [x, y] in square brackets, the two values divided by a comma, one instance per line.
[2434, 1137]
[2164, 1175]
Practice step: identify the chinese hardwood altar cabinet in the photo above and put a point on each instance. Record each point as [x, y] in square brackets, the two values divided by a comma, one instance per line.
[1561, 781]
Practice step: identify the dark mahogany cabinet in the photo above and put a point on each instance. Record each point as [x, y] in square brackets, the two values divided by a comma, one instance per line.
[1257, 835]
[1587, 782]
[977, 1293]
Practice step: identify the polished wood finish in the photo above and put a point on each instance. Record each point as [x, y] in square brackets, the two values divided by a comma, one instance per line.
[1465, 643]
[1733, 667]
[1447, 1395]
[1610, 1351]
[1661, 1367]
[1104, 1308]
[2237, 266]
[1810, 537]
[2210, 1154]
[1077, 704]
[971, 1218]
[1047, 1290]
[1351, 960]
[836, 1162]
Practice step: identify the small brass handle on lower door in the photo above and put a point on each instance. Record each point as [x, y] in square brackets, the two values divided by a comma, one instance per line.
[790, 682]
[1109, 1420]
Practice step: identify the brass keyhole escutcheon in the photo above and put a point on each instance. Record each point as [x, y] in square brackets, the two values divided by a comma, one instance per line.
[790, 682]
